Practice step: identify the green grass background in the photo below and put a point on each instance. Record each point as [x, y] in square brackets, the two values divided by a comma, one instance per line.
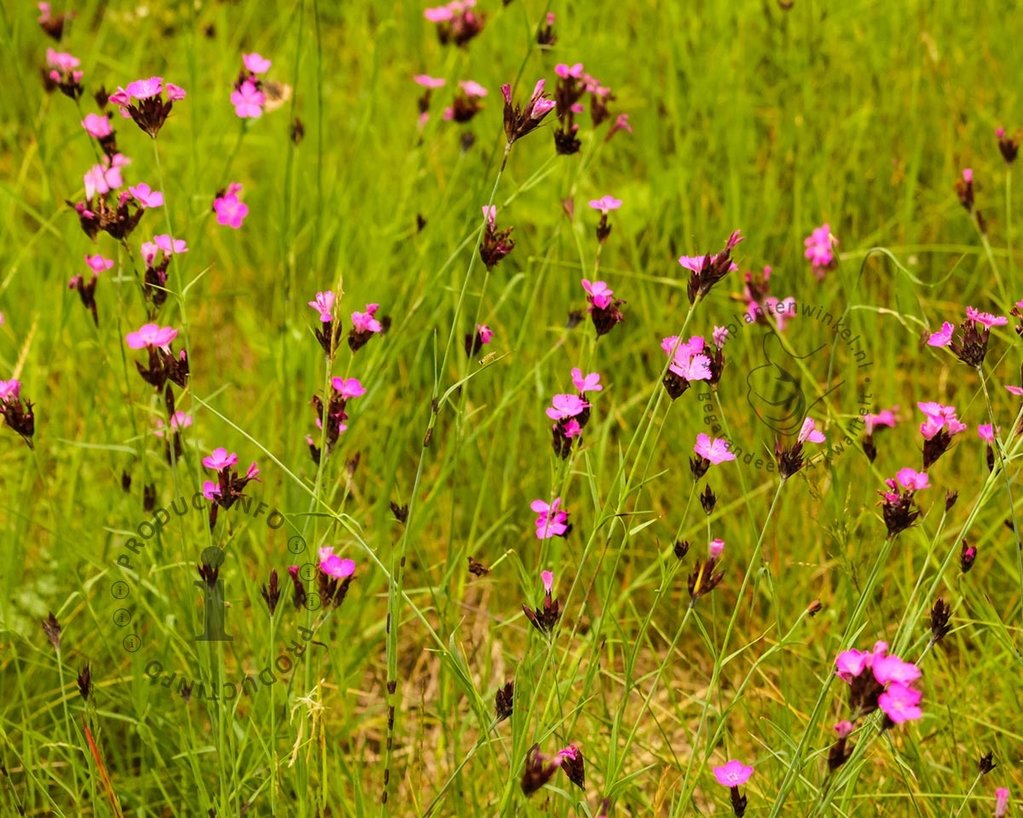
[745, 115]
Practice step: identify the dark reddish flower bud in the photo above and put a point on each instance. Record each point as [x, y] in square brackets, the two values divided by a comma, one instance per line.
[125, 482]
[271, 593]
[505, 701]
[1009, 146]
[950, 499]
[898, 508]
[400, 512]
[964, 189]
[681, 548]
[299, 595]
[53, 24]
[814, 608]
[85, 682]
[297, 132]
[149, 497]
[935, 447]
[477, 568]
[574, 765]
[704, 579]
[967, 556]
[698, 466]
[941, 613]
[16, 411]
[869, 449]
[51, 627]
[708, 500]
[539, 770]
[209, 567]
[545, 36]
[840, 751]
[706, 271]
[520, 121]
[496, 243]
[545, 619]
[986, 763]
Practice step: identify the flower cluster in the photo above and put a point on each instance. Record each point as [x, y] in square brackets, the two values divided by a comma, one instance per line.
[334, 577]
[62, 73]
[156, 255]
[764, 308]
[17, 411]
[98, 126]
[457, 22]
[970, 339]
[820, 250]
[573, 85]
[147, 102]
[164, 366]
[689, 362]
[940, 426]
[522, 120]
[604, 308]
[103, 209]
[342, 391]
[898, 506]
[878, 680]
[706, 271]
[467, 102]
[248, 96]
[229, 486]
[708, 453]
[475, 341]
[87, 289]
[790, 460]
[571, 411]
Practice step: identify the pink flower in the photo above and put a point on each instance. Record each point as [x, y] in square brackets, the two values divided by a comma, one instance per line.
[886, 417]
[170, 246]
[473, 89]
[986, 318]
[943, 337]
[820, 249]
[810, 432]
[324, 304]
[365, 322]
[717, 546]
[151, 336]
[689, 362]
[586, 383]
[901, 703]
[851, 663]
[551, 521]
[175, 93]
[97, 126]
[256, 63]
[733, 774]
[1001, 802]
[348, 388]
[571, 428]
[621, 123]
[605, 204]
[913, 480]
[939, 417]
[179, 420]
[716, 450]
[565, 71]
[210, 490]
[890, 669]
[485, 334]
[144, 89]
[426, 81]
[9, 390]
[248, 100]
[598, 293]
[220, 459]
[566, 406]
[539, 105]
[968, 175]
[1015, 390]
[61, 60]
[98, 263]
[439, 14]
[334, 566]
[146, 196]
[720, 335]
[843, 729]
[231, 211]
[547, 577]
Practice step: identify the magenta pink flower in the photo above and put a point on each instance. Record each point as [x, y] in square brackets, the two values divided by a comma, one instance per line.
[256, 63]
[1001, 802]
[689, 361]
[571, 428]
[143, 102]
[986, 432]
[1015, 390]
[566, 71]
[716, 547]
[912, 479]
[334, 566]
[547, 577]
[472, 88]
[144, 89]
[605, 204]
[733, 774]
[986, 318]
[231, 211]
[716, 450]
[889, 669]
[348, 388]
[248, 100]
[820, 246]
[851, 663]
[886, 417]
[178, 421]
[901, 703]
[485, 334]
[151, 336]
[720, 335]
[566, 406]
[586, 383]
[598, 293]
[220, 459]
[438, 14]
[9, 390]
[551, 520]
[98, 263]
[146, 196]
[809, 432]
[97, 126]
[939, 417]
[324, 304]
[843, 729]
[426, 81]
[365, 322]
[169, 246]
[522, 120]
